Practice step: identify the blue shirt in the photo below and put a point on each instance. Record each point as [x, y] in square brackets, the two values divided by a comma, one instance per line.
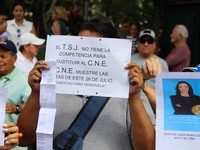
[18, 90]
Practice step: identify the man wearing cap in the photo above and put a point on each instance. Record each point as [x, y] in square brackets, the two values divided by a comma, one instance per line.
[29, 46]
[146, 49]
[14, 81]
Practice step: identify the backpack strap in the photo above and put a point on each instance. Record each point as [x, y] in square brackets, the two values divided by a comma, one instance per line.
[88, 115]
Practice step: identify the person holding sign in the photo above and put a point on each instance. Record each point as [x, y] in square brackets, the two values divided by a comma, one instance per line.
[142, 129]
[184, 100]
[12, 136]
[110, 129]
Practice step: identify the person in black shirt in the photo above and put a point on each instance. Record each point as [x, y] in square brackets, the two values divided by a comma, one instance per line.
[184, 100]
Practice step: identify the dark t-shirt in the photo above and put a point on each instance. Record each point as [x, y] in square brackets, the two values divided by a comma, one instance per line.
[183, 105]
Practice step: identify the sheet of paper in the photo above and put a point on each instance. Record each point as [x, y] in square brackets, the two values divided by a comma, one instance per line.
[46, 120]
[47, 112]
[47, 96]
[179, 129]
[3, 95]
[90, 66]
[49, 76]
[48, 86]
[44, 141]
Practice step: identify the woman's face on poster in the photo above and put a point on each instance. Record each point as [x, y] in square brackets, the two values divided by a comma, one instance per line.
[183, 88]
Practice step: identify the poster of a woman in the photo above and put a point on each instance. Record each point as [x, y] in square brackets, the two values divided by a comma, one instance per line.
[185, 102]
[177, 110]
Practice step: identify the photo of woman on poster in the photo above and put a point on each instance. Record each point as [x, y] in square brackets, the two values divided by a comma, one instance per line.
[185, 102]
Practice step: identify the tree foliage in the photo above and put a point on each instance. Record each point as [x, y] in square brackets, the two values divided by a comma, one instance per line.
[142, 11]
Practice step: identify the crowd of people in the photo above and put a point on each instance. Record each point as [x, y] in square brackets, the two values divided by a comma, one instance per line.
[20, 73]
[108, 122]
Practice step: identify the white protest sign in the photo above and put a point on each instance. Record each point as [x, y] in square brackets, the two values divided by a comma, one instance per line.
[90, 65]
[177, 115]
[3, 95]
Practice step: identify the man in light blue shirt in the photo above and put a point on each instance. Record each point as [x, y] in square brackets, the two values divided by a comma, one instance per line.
[15, 82]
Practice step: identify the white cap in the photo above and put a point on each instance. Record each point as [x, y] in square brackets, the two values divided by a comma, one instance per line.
[148, 32]
[30, 38]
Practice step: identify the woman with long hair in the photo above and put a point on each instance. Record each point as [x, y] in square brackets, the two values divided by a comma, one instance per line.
[59, 21]
[184, 100]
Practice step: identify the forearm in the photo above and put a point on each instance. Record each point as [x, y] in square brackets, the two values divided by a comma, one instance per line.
[151, 95]
[142, 130]
[27, 121]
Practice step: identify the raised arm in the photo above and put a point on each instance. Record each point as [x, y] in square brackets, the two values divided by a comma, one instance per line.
[150, 69]
[151, 95]
[142, 130]
[27, 121]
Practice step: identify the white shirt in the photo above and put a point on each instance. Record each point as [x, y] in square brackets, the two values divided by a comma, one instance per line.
[23, 64]
[15, 31]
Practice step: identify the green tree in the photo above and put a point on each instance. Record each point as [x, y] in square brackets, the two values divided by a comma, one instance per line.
[143, 11]
[125, 11]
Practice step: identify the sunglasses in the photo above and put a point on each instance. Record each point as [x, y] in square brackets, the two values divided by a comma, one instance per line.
[148, 40]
